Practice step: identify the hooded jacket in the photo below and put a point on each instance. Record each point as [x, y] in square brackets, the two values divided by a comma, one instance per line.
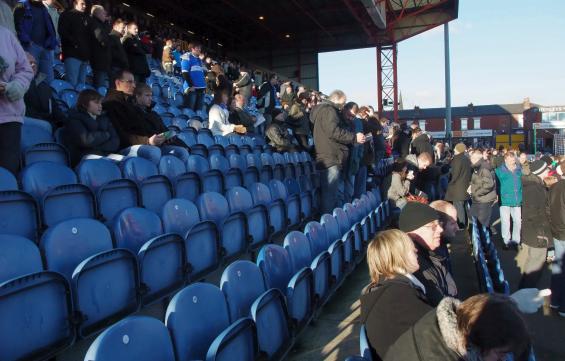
[332, 136]
[390, 308]
[459, 179]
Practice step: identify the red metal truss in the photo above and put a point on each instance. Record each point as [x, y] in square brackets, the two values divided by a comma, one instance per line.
[387, 79]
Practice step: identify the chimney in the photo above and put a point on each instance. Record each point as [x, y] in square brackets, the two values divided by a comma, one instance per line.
[416, 110]
[526, 103]
[470, 107]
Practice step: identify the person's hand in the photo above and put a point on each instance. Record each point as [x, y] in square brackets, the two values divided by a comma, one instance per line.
[360, 137]
[14, 91]
[189, 90]
[410, 175]
[157, 140]
[240, 129]
[529, 300]
[550, 255]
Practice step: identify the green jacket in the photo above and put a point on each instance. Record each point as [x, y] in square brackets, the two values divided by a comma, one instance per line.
[510, 186]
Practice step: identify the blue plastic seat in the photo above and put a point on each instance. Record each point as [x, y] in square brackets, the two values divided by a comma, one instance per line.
[133, 227]
[297, 284]
[113, 193]
[36, 132]
[171, 167]
[179, 216]
[233, 230]
[221, 140]
[306, 199]
[178, 151]
[322, 263]
[156, 189]
[292, 202]
[277, 210]
[205, 138]
[364, 345]
[19, 214]
[59, 85]
[70, 97]
[240, 200]
[213, 179]
[188, 137]
[306, 186]
[278, 167]
[336, 248]
[347, 235]
[136, 338]
[198, 316]
[55, 187]
[7, 181]
[355, 220]
[243, 285]
[267, 169]
[35, 306]
[46, 152]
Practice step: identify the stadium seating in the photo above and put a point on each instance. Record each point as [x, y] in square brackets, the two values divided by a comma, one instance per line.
[136, 338]
[291, 201]
[7, 181]
[46, 152]
[240, 200]
[155, 189]
[277, 211]
[336, 247]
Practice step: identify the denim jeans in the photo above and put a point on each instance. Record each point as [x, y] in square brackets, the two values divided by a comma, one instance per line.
[45, 60]
[360, 182]
[505, 213]
[557, 276]
[331, 181]
[195, 99]
[75, 71]
[348, 189]
[101, 79]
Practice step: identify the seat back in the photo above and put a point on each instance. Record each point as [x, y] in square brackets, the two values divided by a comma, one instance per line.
[342, 220]
[19, 257]
[70, 242]
[195, 317]
[364, 345]
[202, 249]
[136, 338]
[19, 214]
[35, 133]
[38, 178]
[317, 237]
[219, 162]
[331, 226]
[179, 215]
[188, 186]
[205, 138]
[241, 283]
[237, 161]
[138, 169]
[296, 244]
[133, 227]
[213, 207]
[274, 262]
[95, 173]
[261, 194]
[352, 212]
[46, 152]
[188, 137]
[240, 200]
[197, 164]
[156, 190]
[171, 166]
[7, 181]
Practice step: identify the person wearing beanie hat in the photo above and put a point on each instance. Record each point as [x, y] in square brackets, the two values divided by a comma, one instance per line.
[421, 223]
[459, 181]
[535, 235]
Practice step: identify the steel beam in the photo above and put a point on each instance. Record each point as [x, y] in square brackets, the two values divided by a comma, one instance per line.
[387, 77]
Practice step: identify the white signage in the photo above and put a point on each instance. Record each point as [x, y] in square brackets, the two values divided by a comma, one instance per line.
[473, 133]
[554, 124]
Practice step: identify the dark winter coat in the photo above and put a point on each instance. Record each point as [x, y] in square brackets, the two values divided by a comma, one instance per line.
[86, 135]
[278, 136]
[536, 231]
[434, 275]
[435, 337]
[117, 51]
[298, 119]
[137, 58]
[101, 54]
[24, 21]
[460, 178]
[332, 136]
[483, 184]
[40, 103]
[421, 145]
[401, 144]
[74, 31]
[388, 310]
[556, 209]
[240, 116]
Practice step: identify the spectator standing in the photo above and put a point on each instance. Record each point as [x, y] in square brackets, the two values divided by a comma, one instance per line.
[421, 143]
[244, 83]
[349, 114]
[101, 51]
[482, 189]
[298, 120]
[119, 60]
[509, 177]
[333, 138]
[74, 30]
[378, 140]
[421, 222]
[556, 210]
[401, 141]
[218, 118]
[15, 76]
[177, 60]
[167, 58]
[55, 15]
[89, 131]
[536, 231]
[194, 78]
[39, 99]
[417, 165]
[459, 181]
[137, 56]
[267, 98]
[7, 15]
[37, 34]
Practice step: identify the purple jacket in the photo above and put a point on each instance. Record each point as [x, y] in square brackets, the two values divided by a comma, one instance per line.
[18, 70]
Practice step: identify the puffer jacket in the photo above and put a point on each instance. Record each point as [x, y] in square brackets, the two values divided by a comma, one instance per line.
[510, 186]
[483, 184]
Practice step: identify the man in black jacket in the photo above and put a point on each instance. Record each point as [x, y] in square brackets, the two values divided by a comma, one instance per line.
[421, 143]
[421, 223]
[266, 98]
[74, 30]
[332, 139]
[556, 211]
[135, 51]
[100, 56]
[119, 58]
[459, 180]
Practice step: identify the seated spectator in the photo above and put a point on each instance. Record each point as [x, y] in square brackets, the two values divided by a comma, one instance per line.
[39, 99]
[278, 136]
[447, 214]
[89, 131]
[421, 222]
[218, 118]
[15, 76]
[243, 84]
[298, 120]
[396, 186]
[143, 98]
[483, 327]
[395, 300]
[126, 116]
[239, 115]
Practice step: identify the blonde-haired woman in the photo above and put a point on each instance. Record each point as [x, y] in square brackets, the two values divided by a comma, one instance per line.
[395, 299]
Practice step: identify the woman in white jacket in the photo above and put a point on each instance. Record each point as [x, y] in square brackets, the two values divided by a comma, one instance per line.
[218, 117]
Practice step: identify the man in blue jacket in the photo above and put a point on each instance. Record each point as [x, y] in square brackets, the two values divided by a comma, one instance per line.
[509, 177]
[194, 77]
[37, 34]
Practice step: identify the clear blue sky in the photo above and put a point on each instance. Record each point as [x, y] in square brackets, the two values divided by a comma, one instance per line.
[501, 52]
